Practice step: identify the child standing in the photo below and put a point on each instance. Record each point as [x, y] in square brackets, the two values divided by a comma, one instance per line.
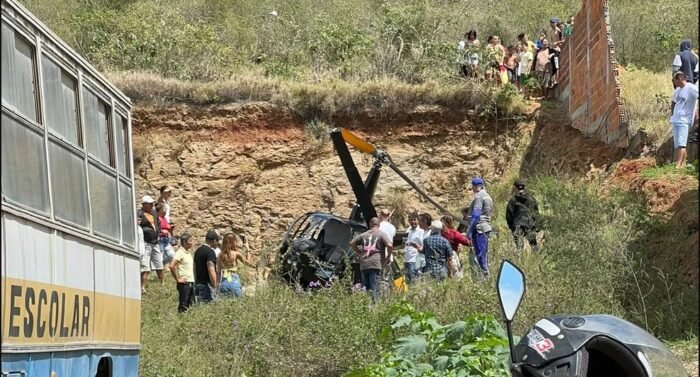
[511, 64]
[525, 56]
[538, 43]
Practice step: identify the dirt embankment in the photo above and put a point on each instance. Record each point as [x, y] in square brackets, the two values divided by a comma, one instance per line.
[253, 168]
[674, 199]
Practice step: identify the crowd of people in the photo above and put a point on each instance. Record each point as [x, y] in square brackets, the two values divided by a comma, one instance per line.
[525, 60]
[432, 246]
[521, 60]
[210, 270]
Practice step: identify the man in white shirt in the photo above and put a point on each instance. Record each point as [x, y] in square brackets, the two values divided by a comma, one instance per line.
[684, 109]
[387, 227]
[414, 241]
[424, 221]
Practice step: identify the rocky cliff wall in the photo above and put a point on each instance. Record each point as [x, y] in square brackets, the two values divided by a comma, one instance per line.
[252, 168]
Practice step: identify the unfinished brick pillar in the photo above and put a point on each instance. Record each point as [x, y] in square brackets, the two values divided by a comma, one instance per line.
[588, 80]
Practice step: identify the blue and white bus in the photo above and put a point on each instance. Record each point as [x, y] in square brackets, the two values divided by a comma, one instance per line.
[71, 299]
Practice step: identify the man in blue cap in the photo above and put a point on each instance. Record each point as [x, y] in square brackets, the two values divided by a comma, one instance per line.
[479, 230]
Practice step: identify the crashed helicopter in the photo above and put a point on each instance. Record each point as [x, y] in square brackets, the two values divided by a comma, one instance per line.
[315, 248]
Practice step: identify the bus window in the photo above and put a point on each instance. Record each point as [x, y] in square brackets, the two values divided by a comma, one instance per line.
[128, 213]
[103, 202]
[24, 176]
[122, 134]
[18, 79]
[60, 106]
[96, 125]
[68, 184]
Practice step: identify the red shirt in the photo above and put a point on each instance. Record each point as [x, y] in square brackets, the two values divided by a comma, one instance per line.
[164, 225]
[455, 238]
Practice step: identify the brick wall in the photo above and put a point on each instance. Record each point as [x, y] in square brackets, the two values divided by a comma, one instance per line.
[588, 80]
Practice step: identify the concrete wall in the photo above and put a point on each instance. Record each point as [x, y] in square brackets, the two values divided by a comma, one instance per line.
[588, 80]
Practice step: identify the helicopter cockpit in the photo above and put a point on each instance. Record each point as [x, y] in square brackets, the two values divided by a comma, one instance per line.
[316, 247]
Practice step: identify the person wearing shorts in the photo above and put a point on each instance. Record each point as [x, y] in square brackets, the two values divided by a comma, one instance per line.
[165, 237]
[543, 67]
[144, 258]
[149, 224]
[684, 104]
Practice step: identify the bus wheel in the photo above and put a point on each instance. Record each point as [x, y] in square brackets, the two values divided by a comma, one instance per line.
[104, 367]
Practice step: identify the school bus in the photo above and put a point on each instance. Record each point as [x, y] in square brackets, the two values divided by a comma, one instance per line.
[71, 299]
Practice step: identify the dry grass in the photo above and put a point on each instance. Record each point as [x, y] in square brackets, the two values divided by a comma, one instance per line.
[687, 351]
[320, 100]
[647, 98]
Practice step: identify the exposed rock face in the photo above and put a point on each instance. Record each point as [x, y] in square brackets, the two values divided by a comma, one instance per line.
[252, 169]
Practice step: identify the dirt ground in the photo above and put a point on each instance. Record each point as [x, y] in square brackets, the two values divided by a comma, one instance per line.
[674, 198]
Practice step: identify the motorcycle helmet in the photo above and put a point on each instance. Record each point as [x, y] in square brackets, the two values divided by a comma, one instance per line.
[593, 346]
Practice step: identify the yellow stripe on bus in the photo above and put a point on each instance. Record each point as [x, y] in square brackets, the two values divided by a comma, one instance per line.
[39, 313]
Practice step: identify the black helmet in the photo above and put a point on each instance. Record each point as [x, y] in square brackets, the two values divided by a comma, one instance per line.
[594, 345]
[580, 346]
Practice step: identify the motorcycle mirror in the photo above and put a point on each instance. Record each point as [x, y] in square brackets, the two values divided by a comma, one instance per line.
[511, 289]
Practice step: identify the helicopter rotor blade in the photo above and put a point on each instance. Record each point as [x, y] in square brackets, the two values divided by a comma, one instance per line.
[357, 142]
[422, 193]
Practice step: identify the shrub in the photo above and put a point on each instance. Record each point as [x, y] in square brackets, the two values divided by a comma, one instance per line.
[647, 101]
[475, 346]
[317, 130]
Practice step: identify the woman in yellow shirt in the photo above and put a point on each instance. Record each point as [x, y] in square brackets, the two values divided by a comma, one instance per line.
[227, 265]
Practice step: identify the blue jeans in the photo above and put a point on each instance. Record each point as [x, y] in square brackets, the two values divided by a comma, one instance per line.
[168, 252]
[438, 273]
[203, 291]
[410, 269]
[481, 249]
[371, 283]
[232, 287]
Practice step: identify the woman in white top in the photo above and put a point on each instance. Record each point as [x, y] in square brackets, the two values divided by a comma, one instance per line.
[470, 46]
[164, 198]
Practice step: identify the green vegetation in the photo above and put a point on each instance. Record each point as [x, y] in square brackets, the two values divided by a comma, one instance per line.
[360, 40]
[329, 98]
[596, 258]
[667, 170]
[475, 346]
[647, 101]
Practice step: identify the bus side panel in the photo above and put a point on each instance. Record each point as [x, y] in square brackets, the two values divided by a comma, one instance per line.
[15, 363]
[3, 291]
[124, 363]
[132, 272]
[59, 289]
[71, 363]
[30, 295]
[76, 363]
[109, 299]
[39, 364]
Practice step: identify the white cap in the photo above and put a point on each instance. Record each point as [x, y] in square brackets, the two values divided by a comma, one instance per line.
[147, 199]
